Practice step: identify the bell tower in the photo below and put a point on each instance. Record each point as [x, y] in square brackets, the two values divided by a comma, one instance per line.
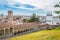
[10, 16]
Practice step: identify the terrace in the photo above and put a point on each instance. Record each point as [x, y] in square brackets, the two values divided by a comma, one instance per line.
[8, 29]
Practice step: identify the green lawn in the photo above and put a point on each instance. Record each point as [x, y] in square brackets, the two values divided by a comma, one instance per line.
[41, 35]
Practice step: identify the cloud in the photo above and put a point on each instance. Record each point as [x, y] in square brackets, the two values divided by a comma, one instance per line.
[46, 4]
[3, 2]
[29, 6]
[38, 6]
[15, 4]
[18, 5]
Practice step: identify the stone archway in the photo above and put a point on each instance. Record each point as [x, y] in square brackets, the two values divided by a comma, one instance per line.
[1, 32]
[11, 30]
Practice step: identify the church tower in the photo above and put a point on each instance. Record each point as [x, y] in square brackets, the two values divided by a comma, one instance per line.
[10, 16]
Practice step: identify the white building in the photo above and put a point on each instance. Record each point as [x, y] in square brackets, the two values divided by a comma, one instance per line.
[56, 20]
[42, 19]
[52, 20]
[49, 18]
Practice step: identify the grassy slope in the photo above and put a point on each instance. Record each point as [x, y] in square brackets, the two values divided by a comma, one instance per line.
[41, 35]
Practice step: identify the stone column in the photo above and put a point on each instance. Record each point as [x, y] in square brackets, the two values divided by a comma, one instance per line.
[13, 30]
[4, 31]
[9, 30]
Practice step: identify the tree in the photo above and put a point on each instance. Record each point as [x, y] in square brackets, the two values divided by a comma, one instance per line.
[57, 6]
[37, 19]
[57, 11]
[17, 18]
[34, 18]
[24, 20]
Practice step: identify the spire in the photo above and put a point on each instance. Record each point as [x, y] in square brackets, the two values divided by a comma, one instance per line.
[2, 15]
[49, 13]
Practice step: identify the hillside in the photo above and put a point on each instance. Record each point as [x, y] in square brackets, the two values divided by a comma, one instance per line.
[41, 35]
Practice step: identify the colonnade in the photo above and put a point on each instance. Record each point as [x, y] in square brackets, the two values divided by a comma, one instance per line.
[6, 31]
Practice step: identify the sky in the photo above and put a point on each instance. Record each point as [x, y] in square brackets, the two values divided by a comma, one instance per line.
[27, 7]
